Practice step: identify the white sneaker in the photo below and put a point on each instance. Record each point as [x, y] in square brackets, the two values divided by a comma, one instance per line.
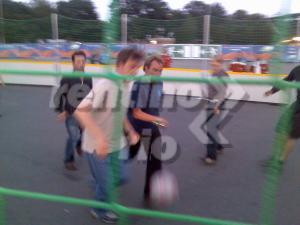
[108, 217]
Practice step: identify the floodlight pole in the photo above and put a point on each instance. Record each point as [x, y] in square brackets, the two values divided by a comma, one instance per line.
[54, 24]
[124, 21]
[2, 36]
[206, 28]
[298, 27]
[55, 37]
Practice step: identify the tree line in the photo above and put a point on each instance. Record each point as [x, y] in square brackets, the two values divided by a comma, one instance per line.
[79, 21]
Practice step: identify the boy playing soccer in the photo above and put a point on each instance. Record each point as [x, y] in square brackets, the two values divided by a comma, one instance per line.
[96, 115]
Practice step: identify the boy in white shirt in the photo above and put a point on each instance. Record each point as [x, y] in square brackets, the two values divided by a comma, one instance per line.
[97, 114]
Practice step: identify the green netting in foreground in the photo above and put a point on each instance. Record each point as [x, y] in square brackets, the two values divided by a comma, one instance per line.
[274, 170]
[268, 202]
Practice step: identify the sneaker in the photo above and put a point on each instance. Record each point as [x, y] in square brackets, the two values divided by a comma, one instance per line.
[108, 217]
[94, 214]
[70, 166]
[209, 161]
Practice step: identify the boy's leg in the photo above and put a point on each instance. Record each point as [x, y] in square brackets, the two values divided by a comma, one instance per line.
[288, 148]
[79, 143]
[211, 134]
[73, 130]
[212, 151]
[123, 166]
[99, 171]
[218, 142]
[154, 162]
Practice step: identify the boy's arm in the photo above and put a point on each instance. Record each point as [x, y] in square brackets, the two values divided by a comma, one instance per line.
[84, 116]
[131, 133]
[60, 99]
[290, 77]
[140, 115]
[2, 81]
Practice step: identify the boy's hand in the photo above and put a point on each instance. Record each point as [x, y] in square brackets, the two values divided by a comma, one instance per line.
[268, 93]
[102, 149]
[161, 122]
[216, 111]
[62, 116]
[133, 137]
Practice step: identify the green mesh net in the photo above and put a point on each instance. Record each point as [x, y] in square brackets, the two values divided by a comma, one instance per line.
[75, 30]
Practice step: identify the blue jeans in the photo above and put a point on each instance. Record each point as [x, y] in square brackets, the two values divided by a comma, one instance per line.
[74, 136]
[107, 173]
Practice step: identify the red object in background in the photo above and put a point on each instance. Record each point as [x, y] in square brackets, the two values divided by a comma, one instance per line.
[252, 69]
[166, 60]
[237, 67]
[264, 68]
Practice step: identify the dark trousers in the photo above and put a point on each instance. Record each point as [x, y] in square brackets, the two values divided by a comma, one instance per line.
[152, 144]
[212, 131]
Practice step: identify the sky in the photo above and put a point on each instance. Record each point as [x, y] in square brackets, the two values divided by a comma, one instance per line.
[267, 7]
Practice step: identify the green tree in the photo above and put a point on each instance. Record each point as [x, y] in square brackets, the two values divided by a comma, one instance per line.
[78, 21]
[240, 15]
[242, 28]
[41, 8]
[150, 18]
[21, 23]
[196, 8]
[217, 10]
[151, 9]
[16, 10]
[79, 9]
[178, 15]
